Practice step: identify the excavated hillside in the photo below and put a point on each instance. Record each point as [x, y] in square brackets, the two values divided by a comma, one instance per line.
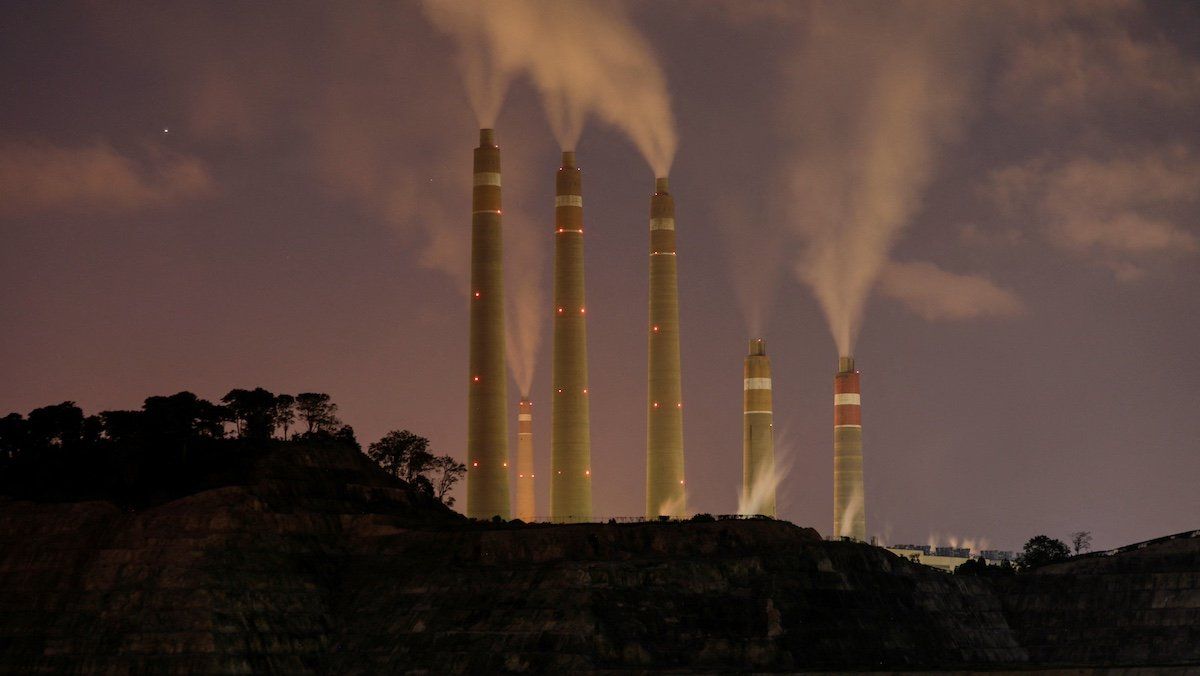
[317, 562]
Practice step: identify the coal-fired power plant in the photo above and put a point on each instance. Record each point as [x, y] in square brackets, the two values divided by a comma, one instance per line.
[487, 395]
[664, 430]
[849, 500]
[570, 441]
[526, 502]
[758, 433]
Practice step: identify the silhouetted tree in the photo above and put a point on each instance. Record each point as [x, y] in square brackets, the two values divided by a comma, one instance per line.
[447, 471]
[1081, 541]
[122, 427]
[317, 411]
[253, 411]
[345, 434]
[14, 436]
[406, 456]
[57, 426]
[285, 412]
[1040, 550]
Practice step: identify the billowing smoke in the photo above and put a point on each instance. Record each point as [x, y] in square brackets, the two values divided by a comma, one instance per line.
[879, 93]
[676, 508]
[852, 509]
[755, 261]
[526, 314]
[585, 58]
[765, 484]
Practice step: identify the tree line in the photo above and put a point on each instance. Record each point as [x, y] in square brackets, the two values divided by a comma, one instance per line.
[179, 443]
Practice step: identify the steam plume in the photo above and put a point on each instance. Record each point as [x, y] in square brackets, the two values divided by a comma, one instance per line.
[584, 58]
[527, 306]
[766, 483]
[852, 509]
[861, 175]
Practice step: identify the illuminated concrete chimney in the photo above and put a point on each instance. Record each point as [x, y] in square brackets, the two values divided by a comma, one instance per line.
[758, 433]
[665, 489]
[526, 503]
[570, 440]
[849, 498]
[487, 397]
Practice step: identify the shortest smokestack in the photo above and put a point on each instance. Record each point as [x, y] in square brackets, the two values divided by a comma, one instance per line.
[525, 496]
[487, 138]
[758, 347]
[845, 364]
[568, 159]
[758, 434]
[660, 186]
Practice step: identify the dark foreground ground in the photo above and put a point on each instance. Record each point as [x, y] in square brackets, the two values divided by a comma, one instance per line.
[316, 562]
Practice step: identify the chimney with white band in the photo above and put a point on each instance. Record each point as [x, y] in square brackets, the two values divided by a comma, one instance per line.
[570, 438]
[758, 434]
[487, 394]
[849, 500]
[526, 504]
[664, 406]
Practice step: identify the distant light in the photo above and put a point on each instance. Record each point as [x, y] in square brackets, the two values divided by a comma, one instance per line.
[681, 482]
[656, 329]
[587, 472]
[585, 390]
[656, 404]
[679, 405]
[582, 310]
[506, 464]
[475, 464]
[476, 294]
[476, 379]
[166, 131]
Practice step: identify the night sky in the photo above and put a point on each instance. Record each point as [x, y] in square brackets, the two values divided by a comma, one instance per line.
[204, 196]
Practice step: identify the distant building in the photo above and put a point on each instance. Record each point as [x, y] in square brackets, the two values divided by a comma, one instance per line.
[947, 558]
[997, 555]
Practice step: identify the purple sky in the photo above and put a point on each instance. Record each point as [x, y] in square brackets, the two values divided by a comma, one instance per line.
[303, 225]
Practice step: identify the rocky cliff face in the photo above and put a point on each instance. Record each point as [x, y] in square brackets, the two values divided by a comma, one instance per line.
[318, 563]
[1135, 607]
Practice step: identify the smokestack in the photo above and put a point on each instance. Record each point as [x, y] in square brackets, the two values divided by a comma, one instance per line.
[849, 500]
[526, 505]
[664, 431]
[758, 434]
[487, 396]
[570, 441]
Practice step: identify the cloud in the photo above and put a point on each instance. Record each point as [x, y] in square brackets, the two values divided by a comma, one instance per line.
[1110, 210]
[938, 295]
[1086, 58]
[40, 177]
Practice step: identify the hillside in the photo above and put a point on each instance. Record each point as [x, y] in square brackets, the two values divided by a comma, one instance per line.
[314, 561]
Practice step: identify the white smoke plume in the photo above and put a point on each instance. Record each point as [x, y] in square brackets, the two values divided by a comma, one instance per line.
[852, 509]
[675, 508]
[767, 482]
[527, 311]
[879, 94]
[585, 58]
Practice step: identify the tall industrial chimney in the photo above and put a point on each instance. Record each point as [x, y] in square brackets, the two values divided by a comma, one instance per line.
[570, 440]
[758, 434]
[487, 397]
[526, 504]
[664, 431]
[849, 500]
